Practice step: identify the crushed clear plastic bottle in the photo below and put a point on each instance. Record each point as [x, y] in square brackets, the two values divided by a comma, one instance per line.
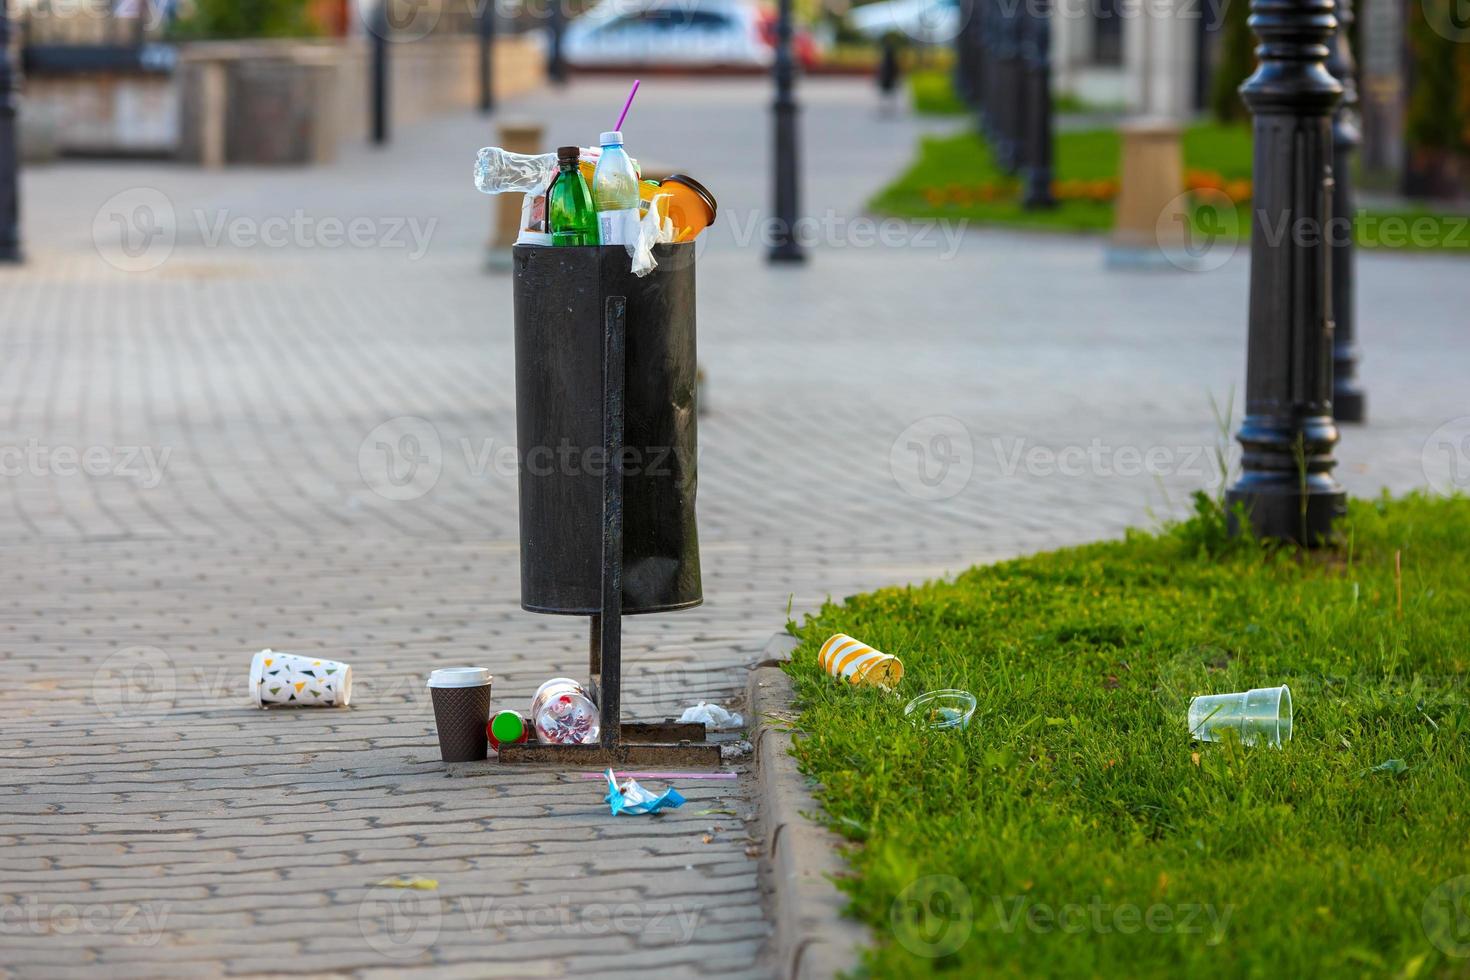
[499, 171]
[563, 714]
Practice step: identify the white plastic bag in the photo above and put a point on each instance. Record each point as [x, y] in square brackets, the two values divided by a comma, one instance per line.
[712, 716]
[653, 228]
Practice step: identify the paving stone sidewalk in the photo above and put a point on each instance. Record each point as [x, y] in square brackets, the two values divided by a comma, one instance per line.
[200, 463]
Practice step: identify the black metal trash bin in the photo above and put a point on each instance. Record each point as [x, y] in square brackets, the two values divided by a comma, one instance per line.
[561, 299]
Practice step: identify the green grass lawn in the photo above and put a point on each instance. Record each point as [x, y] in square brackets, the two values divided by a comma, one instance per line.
[1074, 830]
[931, 90]
[966, 161]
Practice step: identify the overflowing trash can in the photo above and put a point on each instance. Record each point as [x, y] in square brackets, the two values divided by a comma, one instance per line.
[606, 385]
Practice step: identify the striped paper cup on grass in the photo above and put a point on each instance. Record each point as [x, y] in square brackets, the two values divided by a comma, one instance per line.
[857, 663]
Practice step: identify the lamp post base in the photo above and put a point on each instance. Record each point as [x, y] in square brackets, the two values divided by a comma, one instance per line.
[786, 253]
[1287, 512]
[1349, 404]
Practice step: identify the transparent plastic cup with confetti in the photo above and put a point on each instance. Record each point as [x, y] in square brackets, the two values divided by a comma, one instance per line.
[562, 713]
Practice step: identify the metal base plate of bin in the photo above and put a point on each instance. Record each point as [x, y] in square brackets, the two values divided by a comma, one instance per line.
[629, 750]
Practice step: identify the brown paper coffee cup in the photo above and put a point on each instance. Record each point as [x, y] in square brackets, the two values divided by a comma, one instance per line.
[461, 712]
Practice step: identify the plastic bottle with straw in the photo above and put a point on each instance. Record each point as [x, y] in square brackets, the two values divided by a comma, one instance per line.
[615, 185]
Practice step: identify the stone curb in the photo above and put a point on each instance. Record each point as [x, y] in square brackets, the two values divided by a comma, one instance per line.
[813, 940]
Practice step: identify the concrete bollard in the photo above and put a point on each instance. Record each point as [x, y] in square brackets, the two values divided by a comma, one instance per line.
[1151, 218]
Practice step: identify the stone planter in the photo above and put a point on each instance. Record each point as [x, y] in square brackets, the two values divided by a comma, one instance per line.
[268, 103]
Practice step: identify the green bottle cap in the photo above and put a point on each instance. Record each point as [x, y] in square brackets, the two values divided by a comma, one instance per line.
[507, 727]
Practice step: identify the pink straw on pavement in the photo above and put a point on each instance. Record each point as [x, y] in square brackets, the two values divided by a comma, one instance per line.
[661, 775]
[626, 106]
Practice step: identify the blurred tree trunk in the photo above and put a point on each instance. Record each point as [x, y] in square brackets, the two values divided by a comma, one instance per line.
[1438, 124]
[1237, 61]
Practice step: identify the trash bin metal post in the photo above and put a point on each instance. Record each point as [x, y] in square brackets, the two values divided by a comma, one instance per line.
[610, 632]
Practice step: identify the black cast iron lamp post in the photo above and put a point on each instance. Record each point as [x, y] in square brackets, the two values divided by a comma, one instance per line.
[1288, 433]
[378, 29]
[1348, 400]
[1036, 85]
[9, 148]
[487, 57]
[784, 246]
[556, 65]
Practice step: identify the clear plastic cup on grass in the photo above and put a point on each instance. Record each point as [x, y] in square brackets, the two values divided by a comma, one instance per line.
[941, 710]
[1261, 715]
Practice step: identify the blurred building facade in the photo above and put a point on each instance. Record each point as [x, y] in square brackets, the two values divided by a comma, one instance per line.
[135, 78]
[1148, 57]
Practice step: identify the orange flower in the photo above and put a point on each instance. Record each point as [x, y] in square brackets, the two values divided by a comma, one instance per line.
[1200, 180]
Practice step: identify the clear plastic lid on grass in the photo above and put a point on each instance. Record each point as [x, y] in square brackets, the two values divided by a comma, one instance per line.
[941, 710]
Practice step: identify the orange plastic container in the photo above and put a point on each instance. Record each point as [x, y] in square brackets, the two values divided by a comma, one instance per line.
[693, 208]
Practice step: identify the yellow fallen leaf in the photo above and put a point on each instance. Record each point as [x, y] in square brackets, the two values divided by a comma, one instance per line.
[420, 884]
[1194, 757]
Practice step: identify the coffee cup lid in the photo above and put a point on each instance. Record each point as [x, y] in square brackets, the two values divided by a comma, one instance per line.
[460, 677]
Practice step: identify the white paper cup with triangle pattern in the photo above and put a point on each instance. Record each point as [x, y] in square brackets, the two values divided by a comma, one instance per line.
[299, 682]
[857, 663]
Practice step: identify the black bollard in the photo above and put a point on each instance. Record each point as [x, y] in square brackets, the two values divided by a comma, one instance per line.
[487, 57]
[9, 147]
[965, 61]
[556, 65]
[379, 31]
[1286, 482]
[1036, 148]
[784, 246]
[1007, 106]
[1348, 400]
[989, 65]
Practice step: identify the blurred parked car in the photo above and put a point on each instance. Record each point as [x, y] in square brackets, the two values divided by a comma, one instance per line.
[925, 21]
[679, 33]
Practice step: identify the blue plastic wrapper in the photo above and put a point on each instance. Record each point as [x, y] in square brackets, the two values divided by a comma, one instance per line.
[632, 798]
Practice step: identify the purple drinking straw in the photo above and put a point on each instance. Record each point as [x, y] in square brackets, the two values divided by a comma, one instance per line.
[626, 106]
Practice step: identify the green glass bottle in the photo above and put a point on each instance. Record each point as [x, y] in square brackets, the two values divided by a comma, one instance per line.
[569, 214]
